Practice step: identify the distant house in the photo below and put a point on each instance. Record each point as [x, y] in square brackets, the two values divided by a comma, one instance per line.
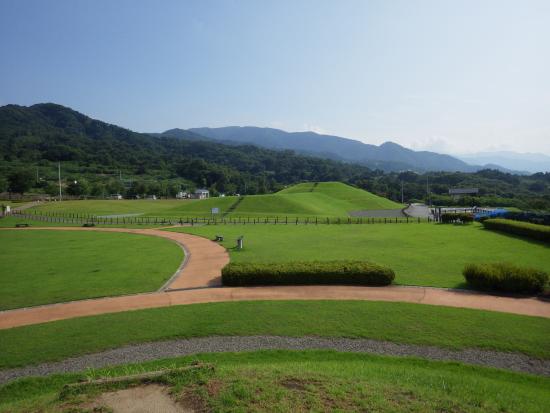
[456, 193]
[201, 194]
[182, 195]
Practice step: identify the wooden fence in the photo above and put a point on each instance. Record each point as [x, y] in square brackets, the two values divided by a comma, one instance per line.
[74, 218]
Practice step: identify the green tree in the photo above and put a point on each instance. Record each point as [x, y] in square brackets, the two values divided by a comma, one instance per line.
[20, 181]
[78, 187]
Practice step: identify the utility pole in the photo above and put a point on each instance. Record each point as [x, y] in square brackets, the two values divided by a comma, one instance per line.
[59, 178]
[37, 174]
[402, 197]
[429, 198]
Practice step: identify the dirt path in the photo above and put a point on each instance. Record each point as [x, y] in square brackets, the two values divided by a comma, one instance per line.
[202, 269]
[182, 347]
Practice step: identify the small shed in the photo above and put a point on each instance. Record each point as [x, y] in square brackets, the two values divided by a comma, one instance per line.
[202, 193]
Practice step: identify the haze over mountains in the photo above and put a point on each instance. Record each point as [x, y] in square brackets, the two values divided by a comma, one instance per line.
[389, 156]
[530, 162]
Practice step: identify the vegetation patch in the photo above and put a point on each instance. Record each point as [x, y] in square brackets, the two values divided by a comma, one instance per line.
[298, 381]
[300, 273]
[524, 229]
[505, 277]
[43, 267]
[457, 218]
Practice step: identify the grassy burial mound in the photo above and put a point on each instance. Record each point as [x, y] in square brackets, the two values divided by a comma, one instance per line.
[286, 381]
[420, 254]
[43, 267]
[325, 199]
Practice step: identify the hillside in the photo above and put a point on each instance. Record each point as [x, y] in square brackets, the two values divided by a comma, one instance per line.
[41, 135]
[389, 156]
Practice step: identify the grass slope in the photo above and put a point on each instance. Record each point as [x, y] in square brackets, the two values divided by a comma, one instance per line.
[326, 199]
[268, 381]
[420, 254]
[354, 197]
[398, 322]
[42, 267]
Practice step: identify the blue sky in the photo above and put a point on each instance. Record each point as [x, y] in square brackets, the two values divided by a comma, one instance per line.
[452, 76]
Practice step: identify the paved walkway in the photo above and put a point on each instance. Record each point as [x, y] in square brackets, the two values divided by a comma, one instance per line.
[205, 259]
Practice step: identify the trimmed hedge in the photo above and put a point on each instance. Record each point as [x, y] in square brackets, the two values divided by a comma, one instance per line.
[526, 229]
[303, 273]
[457, 217]
[505, 277]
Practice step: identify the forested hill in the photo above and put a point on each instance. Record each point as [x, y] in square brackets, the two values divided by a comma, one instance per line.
[44, 134]
[107, 159]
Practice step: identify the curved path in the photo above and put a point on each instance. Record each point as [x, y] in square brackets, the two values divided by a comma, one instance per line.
[202, 269]
[139, 353]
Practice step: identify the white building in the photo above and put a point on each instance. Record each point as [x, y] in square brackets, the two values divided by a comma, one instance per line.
[202, 194]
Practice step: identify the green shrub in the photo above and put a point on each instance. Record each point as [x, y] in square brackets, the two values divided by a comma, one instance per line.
[457, 217]
[526, 229]
[302, 273]
[505, 277]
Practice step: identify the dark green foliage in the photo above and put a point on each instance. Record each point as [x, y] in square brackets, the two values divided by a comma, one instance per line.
[525, 229]
[457, 218]
[505, 277]
[20, 181]
[301, 273]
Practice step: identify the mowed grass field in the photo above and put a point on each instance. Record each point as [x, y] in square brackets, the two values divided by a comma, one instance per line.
[420, 254]
[42, 267]
[325, 199]
[299, 381]
[447, 327]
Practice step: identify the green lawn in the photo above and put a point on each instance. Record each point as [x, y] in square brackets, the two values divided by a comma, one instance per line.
[11, 221]
[299, 381]
[398, 322]
[326, 199]
[42, 267]
[420, 254]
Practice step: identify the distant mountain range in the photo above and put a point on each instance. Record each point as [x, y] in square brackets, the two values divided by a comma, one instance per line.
[389, 156]
[529, 162]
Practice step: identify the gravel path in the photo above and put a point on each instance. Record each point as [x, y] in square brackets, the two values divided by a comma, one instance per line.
[216, 344]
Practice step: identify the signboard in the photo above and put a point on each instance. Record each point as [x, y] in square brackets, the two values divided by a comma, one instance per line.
[215, 211]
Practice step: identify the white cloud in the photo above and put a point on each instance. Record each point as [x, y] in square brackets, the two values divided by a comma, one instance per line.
[315, 128]
[435, 144]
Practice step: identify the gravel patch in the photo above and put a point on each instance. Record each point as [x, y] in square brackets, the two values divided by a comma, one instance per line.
[378, 213]
[217, 344]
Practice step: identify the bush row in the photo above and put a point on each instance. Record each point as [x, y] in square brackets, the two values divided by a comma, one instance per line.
[456, 217]
[301, 273]
[526, 229]
[505, 277]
